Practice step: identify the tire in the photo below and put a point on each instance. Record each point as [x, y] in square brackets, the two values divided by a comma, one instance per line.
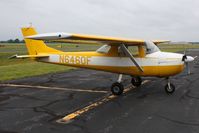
[170, 90]
[117, 88]
[136, 81]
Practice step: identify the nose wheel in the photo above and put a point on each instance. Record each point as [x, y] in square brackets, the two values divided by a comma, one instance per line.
[169, 88]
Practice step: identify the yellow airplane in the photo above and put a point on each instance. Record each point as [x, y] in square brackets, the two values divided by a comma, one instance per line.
[114, 56]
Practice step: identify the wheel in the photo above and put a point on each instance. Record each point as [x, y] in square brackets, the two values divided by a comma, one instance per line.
[171, 89]
[136, 81]
[117, 88]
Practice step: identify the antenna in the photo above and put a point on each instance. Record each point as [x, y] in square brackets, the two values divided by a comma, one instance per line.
[30, 25]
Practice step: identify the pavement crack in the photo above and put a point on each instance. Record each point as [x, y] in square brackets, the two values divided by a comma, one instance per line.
[83, 128]
[6, 131]
[188, 90]
[44, 108]
[178, 121]
[190, 96]
[7, 96]
[50, 78]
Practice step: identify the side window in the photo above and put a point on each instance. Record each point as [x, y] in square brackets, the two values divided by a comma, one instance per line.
[134, 50]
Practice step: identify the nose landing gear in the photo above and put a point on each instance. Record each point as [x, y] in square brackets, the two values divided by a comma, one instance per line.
[169, 88]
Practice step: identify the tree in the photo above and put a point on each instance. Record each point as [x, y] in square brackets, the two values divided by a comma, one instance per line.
[10, 41]
[16, 40]
[22, 41]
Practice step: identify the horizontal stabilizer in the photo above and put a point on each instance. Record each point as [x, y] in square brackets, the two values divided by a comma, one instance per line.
[27, 56]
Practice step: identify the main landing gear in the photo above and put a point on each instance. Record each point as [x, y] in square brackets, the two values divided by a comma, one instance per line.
[117, 88]
[136, 81]
[169, 88]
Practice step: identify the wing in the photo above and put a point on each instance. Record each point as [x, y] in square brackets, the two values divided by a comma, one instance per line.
[88, 39]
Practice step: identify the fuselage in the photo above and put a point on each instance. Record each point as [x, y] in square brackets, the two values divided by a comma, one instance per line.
[160, 64]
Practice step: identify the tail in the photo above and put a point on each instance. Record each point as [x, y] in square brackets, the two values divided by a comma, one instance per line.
[34, 46]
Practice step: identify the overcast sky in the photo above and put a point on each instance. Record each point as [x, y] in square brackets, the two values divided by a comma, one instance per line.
[176, 20]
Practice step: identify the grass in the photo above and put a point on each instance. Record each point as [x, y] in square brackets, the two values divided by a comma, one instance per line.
[177, 47]
[20, 68]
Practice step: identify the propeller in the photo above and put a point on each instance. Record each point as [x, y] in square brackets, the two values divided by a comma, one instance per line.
[186, 60]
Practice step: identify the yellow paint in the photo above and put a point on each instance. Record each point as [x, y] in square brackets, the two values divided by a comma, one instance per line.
[158, 71]
[34, 46]
[141, 52]
[89, 54]
[113, 52]
[107, 40]
[79, 112]
[111, 40]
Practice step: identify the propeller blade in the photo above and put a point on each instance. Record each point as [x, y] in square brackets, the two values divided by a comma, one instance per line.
[184, 57]
[188, 68]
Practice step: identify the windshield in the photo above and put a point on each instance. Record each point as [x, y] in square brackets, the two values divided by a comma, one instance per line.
[151, 47]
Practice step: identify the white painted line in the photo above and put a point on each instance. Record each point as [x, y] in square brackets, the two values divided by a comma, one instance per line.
[52, 88]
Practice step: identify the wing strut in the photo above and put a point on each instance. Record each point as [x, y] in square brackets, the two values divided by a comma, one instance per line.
[127, 53]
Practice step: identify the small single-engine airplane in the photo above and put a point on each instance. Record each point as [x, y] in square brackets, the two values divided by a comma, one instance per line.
[114, 56]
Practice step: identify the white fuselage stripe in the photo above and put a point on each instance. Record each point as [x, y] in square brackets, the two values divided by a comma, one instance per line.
[155, 59]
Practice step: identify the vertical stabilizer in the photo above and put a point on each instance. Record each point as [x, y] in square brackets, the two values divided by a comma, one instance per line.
[35, 46]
